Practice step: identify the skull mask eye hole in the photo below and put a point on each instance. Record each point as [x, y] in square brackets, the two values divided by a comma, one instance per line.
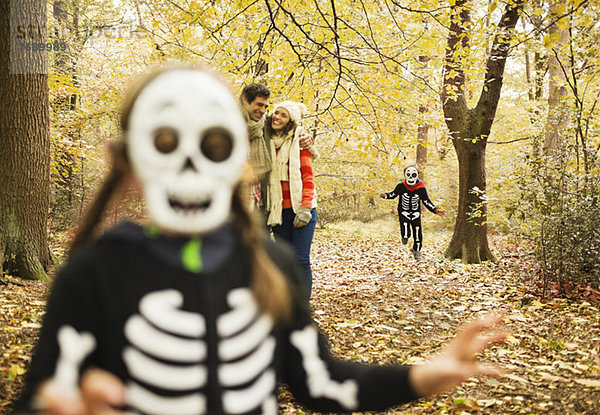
[216, 144]
[165, 140]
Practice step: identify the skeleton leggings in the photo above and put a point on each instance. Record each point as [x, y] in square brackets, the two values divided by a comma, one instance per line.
[408, 226]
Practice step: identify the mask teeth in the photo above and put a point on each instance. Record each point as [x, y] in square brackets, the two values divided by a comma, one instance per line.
[188, 206]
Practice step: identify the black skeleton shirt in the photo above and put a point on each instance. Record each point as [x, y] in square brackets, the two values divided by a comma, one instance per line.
[410, 198]
[174, 319]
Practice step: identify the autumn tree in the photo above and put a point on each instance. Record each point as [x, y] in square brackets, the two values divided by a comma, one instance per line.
[24, 140]
[470, 127]
[355, 64]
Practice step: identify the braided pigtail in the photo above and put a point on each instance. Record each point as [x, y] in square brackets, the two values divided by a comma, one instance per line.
[113, 181]
[267, 283]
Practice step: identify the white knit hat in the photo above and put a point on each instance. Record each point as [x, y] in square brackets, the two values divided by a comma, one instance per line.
[295, 109]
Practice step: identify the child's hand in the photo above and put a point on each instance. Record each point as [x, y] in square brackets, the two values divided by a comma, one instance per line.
[458, 361]
[101, 392]
[440, 212]
[382, 195]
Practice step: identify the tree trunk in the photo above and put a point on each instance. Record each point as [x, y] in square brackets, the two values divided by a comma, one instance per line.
[539, 59]
[422, 130]
[469, 240]
[470, 128]
[530, 91]
[422, 135]
[535, 78]
[24, 140]
[558, 105]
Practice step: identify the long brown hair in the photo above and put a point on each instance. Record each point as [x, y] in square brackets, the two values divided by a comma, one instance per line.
[269, 286]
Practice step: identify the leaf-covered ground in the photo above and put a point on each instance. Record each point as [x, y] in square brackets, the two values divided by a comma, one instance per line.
[377, 304]
[21, 312]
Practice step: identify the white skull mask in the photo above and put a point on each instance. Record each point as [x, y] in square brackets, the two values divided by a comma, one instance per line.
[187, 143]
[411, 175]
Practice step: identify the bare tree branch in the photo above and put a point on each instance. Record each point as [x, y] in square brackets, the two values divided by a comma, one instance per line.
[222, 25]
[272, 17]
[339, 60]
[512, 141]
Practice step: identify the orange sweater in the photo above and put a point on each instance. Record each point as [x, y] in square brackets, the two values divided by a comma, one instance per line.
[308, 183]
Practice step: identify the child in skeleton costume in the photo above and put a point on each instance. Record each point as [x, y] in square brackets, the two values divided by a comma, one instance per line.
[199, 313]
[411, 194]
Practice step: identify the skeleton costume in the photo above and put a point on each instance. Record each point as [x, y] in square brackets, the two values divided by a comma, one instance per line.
[173, 316]
[195, 342]
[411, 193]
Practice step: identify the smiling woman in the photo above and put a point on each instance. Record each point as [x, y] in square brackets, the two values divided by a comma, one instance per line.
[292, 197]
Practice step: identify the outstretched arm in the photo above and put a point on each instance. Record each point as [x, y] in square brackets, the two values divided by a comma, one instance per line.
[429, 204]
[458, 360]
[391, 195]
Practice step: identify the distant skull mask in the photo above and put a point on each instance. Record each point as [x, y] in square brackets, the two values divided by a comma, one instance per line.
[187, 143]
[411, 175]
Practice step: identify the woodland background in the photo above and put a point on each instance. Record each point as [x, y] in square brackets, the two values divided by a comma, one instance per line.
[496, 101]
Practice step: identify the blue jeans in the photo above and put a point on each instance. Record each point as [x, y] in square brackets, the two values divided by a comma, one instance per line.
[300, 238]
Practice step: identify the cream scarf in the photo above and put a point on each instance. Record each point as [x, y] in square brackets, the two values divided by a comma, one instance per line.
[279, 173]
[260, 159]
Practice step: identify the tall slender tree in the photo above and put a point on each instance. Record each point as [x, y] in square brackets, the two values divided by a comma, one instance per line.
[24, 139]
[471, 127]
[558, 104]
[422, 131]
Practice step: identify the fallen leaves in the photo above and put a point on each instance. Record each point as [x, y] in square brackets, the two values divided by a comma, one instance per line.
[21, 312]
[377, 304]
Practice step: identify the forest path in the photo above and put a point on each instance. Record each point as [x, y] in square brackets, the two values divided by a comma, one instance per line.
[377, 304]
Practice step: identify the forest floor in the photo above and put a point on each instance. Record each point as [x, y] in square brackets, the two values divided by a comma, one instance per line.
[377, 304]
